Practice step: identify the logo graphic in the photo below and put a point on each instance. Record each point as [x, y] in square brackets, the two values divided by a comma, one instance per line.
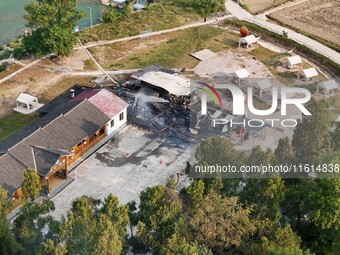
[211, 91]
[239, 99]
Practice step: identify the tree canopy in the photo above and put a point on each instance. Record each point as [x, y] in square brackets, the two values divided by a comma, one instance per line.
[51, 23]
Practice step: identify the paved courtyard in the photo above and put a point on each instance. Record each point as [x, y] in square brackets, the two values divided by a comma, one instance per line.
[132, 161]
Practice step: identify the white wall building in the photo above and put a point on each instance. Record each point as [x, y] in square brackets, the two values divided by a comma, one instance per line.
[110, 104]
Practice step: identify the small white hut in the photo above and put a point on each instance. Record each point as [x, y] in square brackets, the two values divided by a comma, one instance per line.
[293, 62]
[263, 86]
[247, 41]
[308, 74]
[239, 75]
[27, 104]
[327, 87]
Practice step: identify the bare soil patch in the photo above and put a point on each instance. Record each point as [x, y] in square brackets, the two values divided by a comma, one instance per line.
[262, 5]
[231, 61]
[320, 18]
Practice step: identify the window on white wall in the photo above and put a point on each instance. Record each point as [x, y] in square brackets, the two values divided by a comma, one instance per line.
[121, 116]
[112, 123]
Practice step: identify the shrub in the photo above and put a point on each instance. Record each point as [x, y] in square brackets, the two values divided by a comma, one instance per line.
[5, 54]
[2, 68]
[110, 15]
[18, 53]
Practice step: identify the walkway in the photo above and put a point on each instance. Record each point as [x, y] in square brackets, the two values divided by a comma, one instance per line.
[23, 69]
[242, 14]
[197, 24]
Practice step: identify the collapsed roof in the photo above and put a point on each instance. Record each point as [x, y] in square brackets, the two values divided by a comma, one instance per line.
[172, 83]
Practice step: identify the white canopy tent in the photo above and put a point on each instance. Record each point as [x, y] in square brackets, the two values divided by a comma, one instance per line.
[294, 62]
[27, 104]
[248, 41]
[308, 73]
[27, 100]
[328, 86]
[240, 74]
[263, 85]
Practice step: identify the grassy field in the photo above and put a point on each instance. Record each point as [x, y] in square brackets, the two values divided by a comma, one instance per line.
[170, 50]
[334, 108]
[272, 61]
[160, 16]
[13, 122]
[61, 86]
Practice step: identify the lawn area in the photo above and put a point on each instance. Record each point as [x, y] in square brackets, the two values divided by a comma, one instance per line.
[272, 61]
[13, 122]
[334, 108]
[170, 50]
[163, 15]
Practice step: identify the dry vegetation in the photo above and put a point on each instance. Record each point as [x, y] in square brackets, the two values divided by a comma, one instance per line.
[11, 69]
[317, 17]
[164, 15]
[261, 5]
[171, 50]
[59, 87]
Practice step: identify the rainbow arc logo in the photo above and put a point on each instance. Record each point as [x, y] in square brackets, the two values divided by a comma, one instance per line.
[212, 93]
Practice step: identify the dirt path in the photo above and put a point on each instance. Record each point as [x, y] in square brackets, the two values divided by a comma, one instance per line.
[23, 69]
[196, 24]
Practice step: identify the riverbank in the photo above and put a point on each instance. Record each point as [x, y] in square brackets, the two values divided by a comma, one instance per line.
[12, 22]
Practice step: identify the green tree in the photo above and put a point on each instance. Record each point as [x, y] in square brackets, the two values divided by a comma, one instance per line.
[31, 185]
[48, 247]
[78, 231]
[160, 216]
[30, 225]
[216, 150]
[52, 23]
[195, 193]
[265, 196]
[178, 245]
[207, 7]
[324, 203]
[91, 230]
[221, 223]
[127, 10]
[110, 15]
[8, 245]
[108, 241]
[284, 152]
[133, 215]
[117, 214]
[310, 139]
[281, 241]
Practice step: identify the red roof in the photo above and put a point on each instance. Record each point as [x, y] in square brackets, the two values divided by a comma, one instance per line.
[86, 94]
[105, 100]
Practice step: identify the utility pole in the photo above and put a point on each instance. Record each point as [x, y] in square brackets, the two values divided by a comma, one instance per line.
[91, 25]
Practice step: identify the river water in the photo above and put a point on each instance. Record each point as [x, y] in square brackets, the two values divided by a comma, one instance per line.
[12, 21]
